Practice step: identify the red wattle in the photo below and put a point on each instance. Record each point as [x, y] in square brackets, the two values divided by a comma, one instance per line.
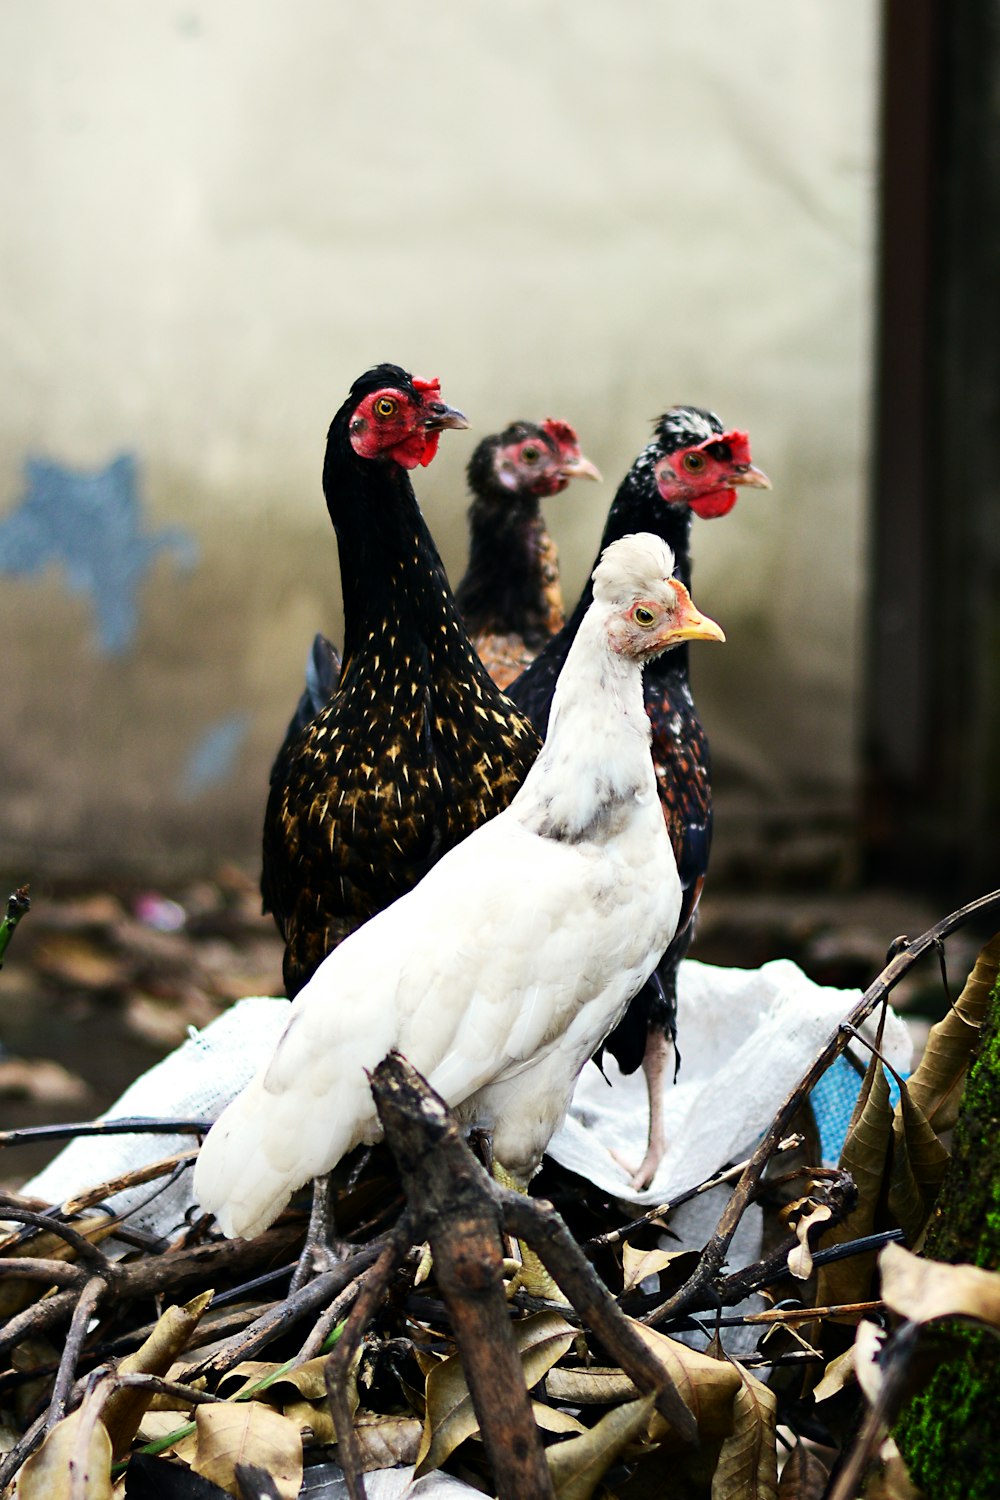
[716, 503]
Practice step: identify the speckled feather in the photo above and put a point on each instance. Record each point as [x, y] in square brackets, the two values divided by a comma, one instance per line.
[415, 748]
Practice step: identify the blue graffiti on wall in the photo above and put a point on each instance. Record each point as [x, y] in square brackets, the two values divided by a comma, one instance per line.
[92, 525]
[213, 757]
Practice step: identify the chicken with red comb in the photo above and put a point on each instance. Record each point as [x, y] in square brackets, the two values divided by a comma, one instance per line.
[510, 596]
[693, 467]
[414, 746]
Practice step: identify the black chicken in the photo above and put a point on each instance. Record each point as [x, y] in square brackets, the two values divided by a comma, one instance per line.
[415, 746]
[692, 466]
[510, 597]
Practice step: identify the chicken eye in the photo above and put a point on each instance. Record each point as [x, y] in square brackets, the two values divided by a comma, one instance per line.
[385, 407]
[643, 616]
[531, 454]
[693, 462]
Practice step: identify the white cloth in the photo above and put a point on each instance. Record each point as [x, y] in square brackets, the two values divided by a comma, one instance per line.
[746, 1038]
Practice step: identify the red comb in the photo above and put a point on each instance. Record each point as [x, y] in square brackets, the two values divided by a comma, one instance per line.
[562, 434]
[739, 442]
[427, 387]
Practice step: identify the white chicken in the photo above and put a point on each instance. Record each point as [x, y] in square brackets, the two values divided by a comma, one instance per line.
[499, 975]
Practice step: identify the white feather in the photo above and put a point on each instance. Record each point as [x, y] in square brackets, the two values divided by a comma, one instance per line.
[500, 974]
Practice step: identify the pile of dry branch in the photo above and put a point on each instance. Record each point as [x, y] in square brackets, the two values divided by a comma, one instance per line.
[142, 1368]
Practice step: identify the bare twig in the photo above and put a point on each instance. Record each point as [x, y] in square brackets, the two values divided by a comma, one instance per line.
[714, 1253]
[32, 1134]
[338, 1365]
[728, 1174]
[453, 1206]
[283, 1315]
[50, 1272]
[82, 1314]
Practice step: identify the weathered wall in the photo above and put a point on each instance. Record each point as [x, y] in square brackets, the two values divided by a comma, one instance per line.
[218, 212]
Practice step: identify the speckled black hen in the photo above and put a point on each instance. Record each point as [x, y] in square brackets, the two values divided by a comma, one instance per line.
[416, 746]
[691, 467]
[510, 596]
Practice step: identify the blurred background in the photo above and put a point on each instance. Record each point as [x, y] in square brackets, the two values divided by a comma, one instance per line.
[218, 212]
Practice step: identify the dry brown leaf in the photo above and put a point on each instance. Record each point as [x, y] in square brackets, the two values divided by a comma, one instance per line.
[578, 1465]
[314, 1421]
[748, 1460]
[707, 1387]
[73, 1463]
[541, 1341]
[865, 1156]
[551, 1419]
[638, 1264]
[591, 1385]
[384, 1442]
[306, 1381]
[803, 1476]
[838, 1374]
[937, 1081]
[157, 1425]
[925, 1289]
[125, 1406]
[248, 1433]
[800, 1261]
[918, 1166]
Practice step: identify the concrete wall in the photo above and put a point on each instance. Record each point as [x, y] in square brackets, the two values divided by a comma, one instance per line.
[218, 212]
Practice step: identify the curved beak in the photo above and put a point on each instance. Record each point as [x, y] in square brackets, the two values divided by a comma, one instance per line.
[751, 477]
[689, 624]
[579, 468]
[439, 416]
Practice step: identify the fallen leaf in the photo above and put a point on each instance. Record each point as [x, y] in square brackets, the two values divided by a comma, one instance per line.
[803, 1476]
[578, 1465]
[248, 1433]
[552, 1419]
[925, 1289]
[918, 1166]
[541, 1341]
[126, 1406]
[41, 1080]
[276, 1382]
[384, 1442]
[838, 1374]
[73, 1463]
[865, 1155]
[800, 1261]
[748, 1460]
[589, 1385]
[707, 1386]
[936, 1082]
[638, 1264]
[314, 1421]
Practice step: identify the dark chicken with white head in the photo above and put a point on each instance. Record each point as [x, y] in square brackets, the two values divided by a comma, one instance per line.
[692, 467]
[510, 596]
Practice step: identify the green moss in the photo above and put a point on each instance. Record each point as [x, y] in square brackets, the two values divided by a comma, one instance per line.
[949, 1435]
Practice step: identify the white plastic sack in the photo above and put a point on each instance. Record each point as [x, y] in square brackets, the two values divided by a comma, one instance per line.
[746, 1038]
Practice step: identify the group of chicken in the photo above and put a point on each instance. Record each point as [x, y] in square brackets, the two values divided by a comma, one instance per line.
[498, 909]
